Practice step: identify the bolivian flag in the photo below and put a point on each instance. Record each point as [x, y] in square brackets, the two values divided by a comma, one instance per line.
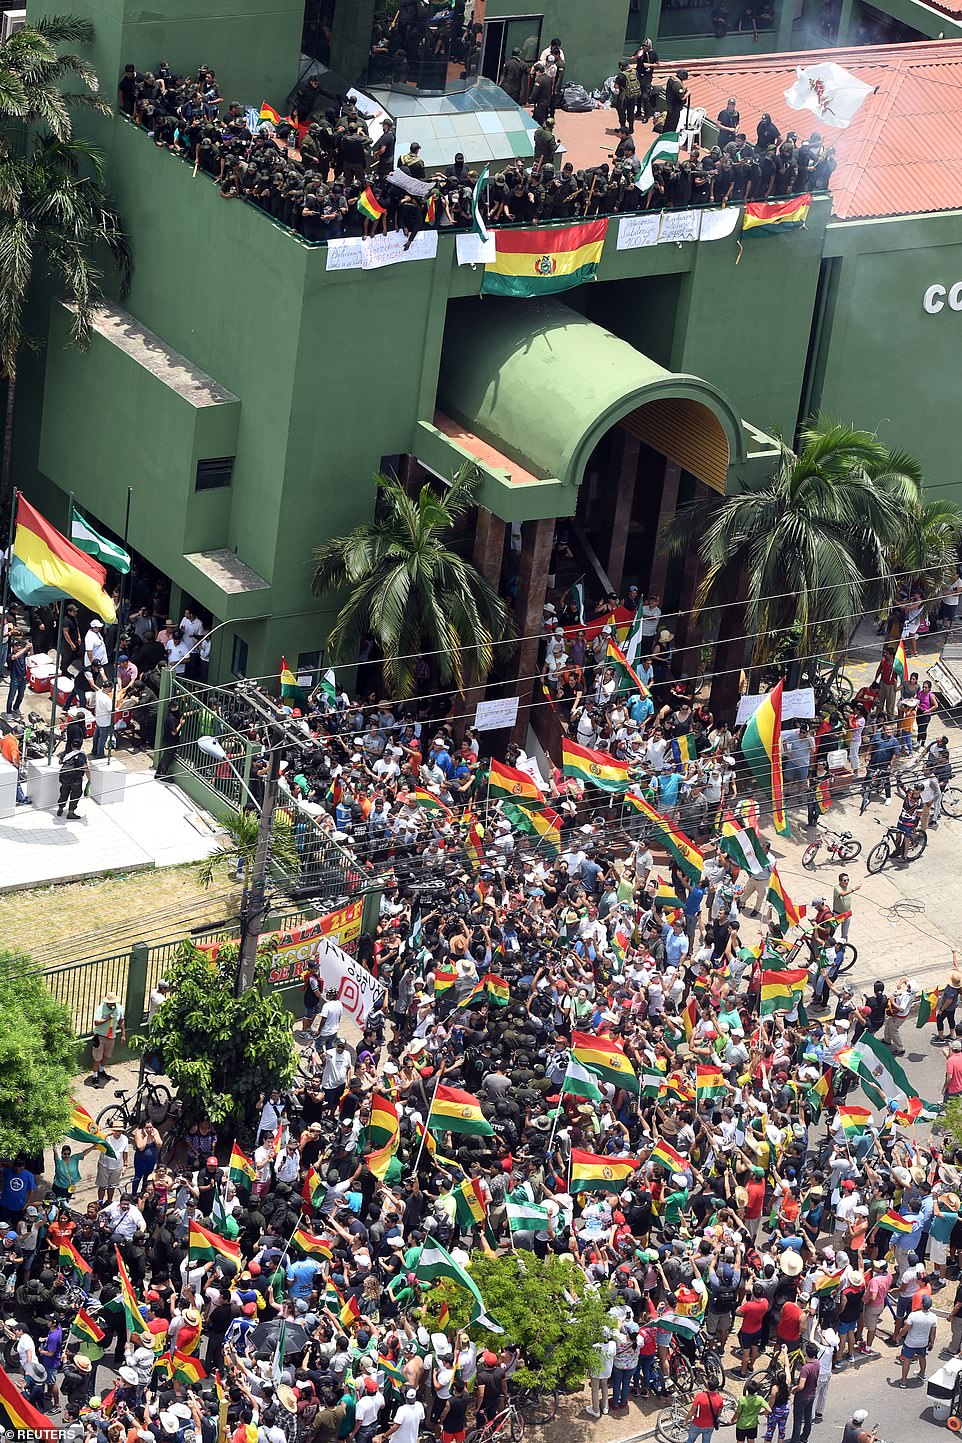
[82, 1128]
[854, 1120]
[686, 855]
[509, 782]
[606, 1058]
[267, 112]
[540, 262]
[764, 217]
[71, 1261]
[428, 802]
[314, 1190]
[350, 1312]
[689, 1016]
[290, 691]
[84, 1326]
[895, 1222]
[762, 748]
[820, 1094]
[901, 663]
[205, 1246]
[592, 1173]
[443, 982]
[628, 678]
[391, 1371]
[928, 1002]
[709, 1082]
[474, 845]
[665, 896]
[383, 1125]
[241, 1170]
[782, 990]
[20, 1418]
[128, 1297]
[664, 1153]
[828, 1282]
[381, 1158]
[456, 1111]
[497, 989]
[308, 1243]
[598, 768]
[542, 823]
[185, 1368]
[47, 567]
[785, 909]
[469, 1203]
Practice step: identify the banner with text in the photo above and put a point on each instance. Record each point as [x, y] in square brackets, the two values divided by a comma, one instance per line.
[353, 253]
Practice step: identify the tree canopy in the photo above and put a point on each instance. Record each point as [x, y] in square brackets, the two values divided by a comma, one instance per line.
[38, 1059]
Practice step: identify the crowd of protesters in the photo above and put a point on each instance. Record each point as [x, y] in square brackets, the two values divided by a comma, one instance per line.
[575, 989]
[322, 174]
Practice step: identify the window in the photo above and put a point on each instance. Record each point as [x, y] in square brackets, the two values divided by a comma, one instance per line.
[309, 666]
[214, 473]
[238, 659]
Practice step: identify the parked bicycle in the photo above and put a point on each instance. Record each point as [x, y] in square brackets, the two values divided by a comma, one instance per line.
[152, 1102]
[504, 1425]
[672, 1426]
[538, 1405]
[907, 847]
[846, 961]
[841, 847]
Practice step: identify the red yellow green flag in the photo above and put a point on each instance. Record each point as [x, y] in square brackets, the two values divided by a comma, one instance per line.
[185, 1368]
[383, 1125]
[314, 1190]
[21, 1419]
[606, 1058]
[128, 1297]
[85, 1326]
[782, 990]
[380, 1158]
[204, 1245]
[540, 262]
[628, 678]
[664, 1153]
[513, 784]
[928, 1003]
[602, 770]
[785, 909]
[854, 1120]
[241, 1170]
[429, 802]
[443, 982]
[901, 663]
[497, 989]
[764, 217]
[762, 749]
[82, 1128]
[895, 1222]
[456, 1111]
[71, 1261]
[709, 1082]
[591, 1172]
[369, 205]
[309, 1243]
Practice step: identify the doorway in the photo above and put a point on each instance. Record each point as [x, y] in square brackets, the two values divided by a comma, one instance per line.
[503, 36]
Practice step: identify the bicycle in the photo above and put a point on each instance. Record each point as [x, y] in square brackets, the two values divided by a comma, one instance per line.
[538, 1404]
[506, 1424]
[672, 1425]
[911, 777]
[873, 787]
[841, 846]
[891, 845]
[151, 1101]
[846, 962]
[774, 1368]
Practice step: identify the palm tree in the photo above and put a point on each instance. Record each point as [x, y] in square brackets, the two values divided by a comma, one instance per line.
[241, 844]
[55, 216]
[819, 544]
[408, 589]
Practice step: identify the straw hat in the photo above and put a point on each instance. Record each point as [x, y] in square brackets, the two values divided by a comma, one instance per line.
[192, 1317]
[790, 1263]
[286, 1397]
[950, 1200]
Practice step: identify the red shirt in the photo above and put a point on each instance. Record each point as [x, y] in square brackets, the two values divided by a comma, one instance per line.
[708, 1409]
[751, 1312]
[756, 1197]
[789, 1328]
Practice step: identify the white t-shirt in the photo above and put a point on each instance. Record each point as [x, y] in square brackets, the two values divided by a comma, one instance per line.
[921, 1326]
[950, 596]
[408, 1418]
[331, 1014]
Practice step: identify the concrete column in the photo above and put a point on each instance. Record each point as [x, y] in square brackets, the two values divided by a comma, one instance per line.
[668, 507]
[536, 539]
[785, 24]
[688, 633]
[487, 556]
[844, 22]
[651, 10]
[624, 472]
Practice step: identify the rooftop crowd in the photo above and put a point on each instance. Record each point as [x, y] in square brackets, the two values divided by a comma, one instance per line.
[312, 171]
[667, 1081]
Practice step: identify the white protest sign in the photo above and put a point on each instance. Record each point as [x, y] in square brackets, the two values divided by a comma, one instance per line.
[473, 251]
[374, 252]
[717, 224]
[679, 225]
[502, 712]
[799, 703]
[635, 231]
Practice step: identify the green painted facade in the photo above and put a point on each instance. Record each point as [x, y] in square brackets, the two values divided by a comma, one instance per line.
[322, 375]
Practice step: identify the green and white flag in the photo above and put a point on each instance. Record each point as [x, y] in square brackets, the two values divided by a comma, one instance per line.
[87, 539]
[480, 229]
[435, 1263]
[681, 1326]
[525, 1217]
[578, 598]
[651, 1080]
[664, 147]
[882, 1077]
[580, 1083]
[329, 685]
[632, 644]
[744, 846]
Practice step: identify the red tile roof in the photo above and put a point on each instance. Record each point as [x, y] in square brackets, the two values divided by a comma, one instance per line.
[902, 154]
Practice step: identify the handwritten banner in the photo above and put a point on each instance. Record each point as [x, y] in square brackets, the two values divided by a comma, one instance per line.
[353, 253]
[635, 231]
[679, 225]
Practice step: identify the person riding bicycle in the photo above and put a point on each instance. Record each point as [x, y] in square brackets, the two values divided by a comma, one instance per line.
[909, 820]
[938, 760]
[883, 752]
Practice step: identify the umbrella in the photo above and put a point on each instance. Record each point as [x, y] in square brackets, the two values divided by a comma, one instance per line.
[264, 1337]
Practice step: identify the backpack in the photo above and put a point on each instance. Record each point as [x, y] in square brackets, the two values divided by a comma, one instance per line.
[574, 97]
[723, 1298]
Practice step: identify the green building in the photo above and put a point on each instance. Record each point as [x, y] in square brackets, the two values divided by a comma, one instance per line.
[249, 390]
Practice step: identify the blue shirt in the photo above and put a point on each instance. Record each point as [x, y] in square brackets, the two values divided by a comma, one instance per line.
[666, 785]
[17, 1187]
[676, 946]
[884, 749]
[693, 901]
[641, 708]
[300, 1275]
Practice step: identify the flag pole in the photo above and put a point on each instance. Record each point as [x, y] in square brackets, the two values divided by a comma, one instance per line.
[112, 738]
[8, 561]
[56, 672]
[424, 1134]
[561, 1099]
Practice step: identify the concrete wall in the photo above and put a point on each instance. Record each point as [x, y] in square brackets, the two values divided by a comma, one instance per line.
[884, 360]
[592, 36]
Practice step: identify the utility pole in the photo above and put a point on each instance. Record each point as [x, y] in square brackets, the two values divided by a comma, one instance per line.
[254, 905]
